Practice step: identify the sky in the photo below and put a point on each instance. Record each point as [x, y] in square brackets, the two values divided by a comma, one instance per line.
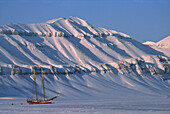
[143, 20]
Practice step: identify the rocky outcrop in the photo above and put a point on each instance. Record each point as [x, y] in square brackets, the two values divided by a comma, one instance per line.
[136, 66]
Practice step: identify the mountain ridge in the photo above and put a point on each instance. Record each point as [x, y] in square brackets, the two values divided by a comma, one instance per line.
[60, 27]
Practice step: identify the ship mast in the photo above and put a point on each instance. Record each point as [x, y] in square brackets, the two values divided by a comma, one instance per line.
[43, 73]
[35, 85]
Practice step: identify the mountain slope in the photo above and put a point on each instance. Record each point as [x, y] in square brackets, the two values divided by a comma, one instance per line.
[80, 60]
[65, 51]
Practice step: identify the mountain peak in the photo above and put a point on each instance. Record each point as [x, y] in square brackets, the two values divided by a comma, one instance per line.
[164, 42]
[64, 18]
[149, 43]
[60, 27]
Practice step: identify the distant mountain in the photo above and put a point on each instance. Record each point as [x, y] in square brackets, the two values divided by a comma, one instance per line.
[80, 60]
[161, 43]
[164, 42]
[161, 46]
[149, 43]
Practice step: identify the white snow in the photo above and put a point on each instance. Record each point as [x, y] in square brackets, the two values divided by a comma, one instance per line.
[66, 26]
[94, 69]
[100, 106]
[164, 42]
[149, 43]
[161, 46]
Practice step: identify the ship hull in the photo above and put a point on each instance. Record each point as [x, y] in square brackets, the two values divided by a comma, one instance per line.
[39, 102]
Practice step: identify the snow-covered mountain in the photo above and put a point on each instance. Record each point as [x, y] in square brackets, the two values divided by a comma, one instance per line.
[80, 60]
[62, 27]
[164, 42]
[149, 43]
[161, 46]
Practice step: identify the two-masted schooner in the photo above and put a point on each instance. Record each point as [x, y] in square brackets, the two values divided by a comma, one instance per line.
[36, 100]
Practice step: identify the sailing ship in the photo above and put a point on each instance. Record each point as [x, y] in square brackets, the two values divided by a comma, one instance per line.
[36, 100]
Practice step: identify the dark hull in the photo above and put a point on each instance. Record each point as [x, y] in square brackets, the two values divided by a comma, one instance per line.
[42, 101]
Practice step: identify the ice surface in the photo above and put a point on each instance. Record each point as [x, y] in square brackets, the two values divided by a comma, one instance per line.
[152, 106]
